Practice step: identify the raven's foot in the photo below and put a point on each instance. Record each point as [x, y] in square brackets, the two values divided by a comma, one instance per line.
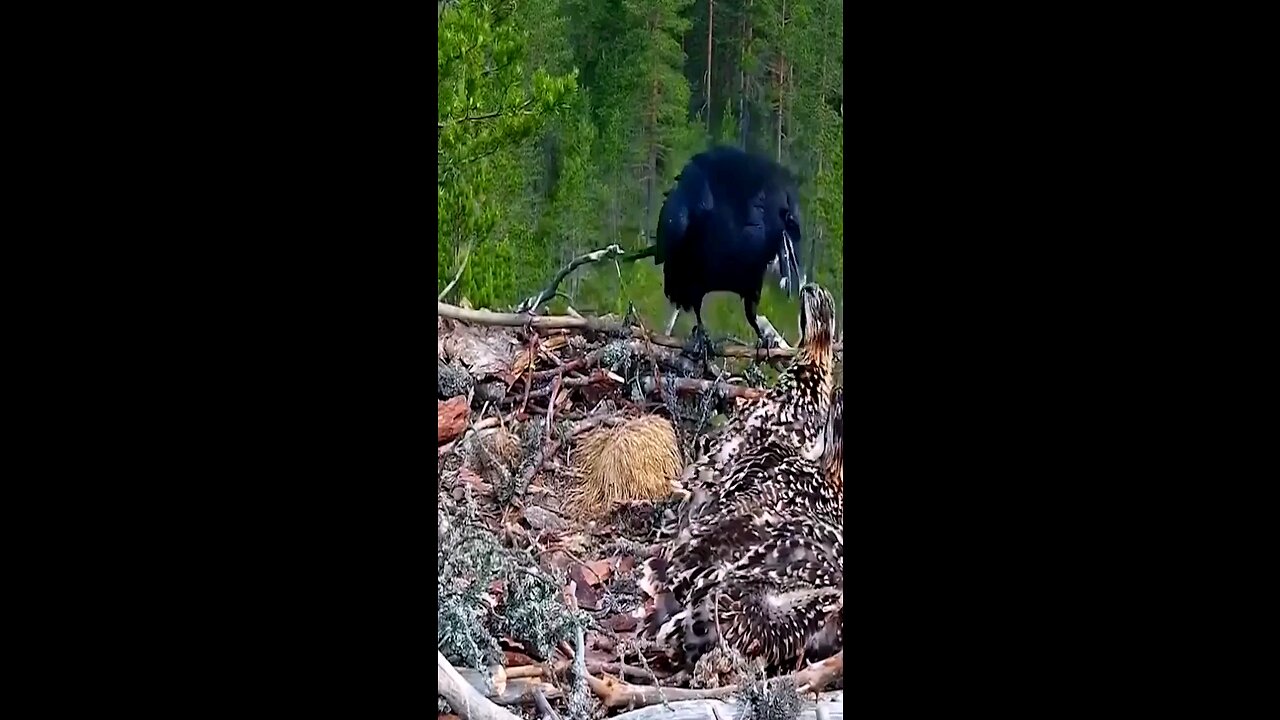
[698, 346]
[763, 345]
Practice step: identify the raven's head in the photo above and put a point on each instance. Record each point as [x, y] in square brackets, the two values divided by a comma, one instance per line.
[817, 321]
[833, 457]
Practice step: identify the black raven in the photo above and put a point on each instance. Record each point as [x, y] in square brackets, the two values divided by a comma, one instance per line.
[731, 216]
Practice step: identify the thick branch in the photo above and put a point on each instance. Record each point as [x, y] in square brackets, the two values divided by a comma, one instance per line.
[533, 303]
[569, 322]
[830, 706]
[614, 693]
[465, 700]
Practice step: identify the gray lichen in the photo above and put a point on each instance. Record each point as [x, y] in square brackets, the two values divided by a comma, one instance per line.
[775, 699]
[452, 379]
[487, 591]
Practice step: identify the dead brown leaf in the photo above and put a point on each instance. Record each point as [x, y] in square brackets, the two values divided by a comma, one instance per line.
[622, 623]
[598, 571]
[586, 595]
[518, 659]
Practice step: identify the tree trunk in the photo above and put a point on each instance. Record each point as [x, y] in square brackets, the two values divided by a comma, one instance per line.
[744, 115]
[782, 70]
[651, 164]
[812, 260]
[711, 23]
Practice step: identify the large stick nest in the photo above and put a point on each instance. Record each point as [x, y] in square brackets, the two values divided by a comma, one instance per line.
[556, 451]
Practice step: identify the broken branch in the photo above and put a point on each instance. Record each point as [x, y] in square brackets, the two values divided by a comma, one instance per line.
[553, 322]
[830, 706]
[533, 303]
[465, 700]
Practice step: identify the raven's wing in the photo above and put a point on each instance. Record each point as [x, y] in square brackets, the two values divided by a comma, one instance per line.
[685, 205]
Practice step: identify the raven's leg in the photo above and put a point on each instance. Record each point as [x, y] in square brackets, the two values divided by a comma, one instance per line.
[671, 324]
[698, 346]
[749, 305]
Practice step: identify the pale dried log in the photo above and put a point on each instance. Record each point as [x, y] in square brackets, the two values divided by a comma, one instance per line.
[819, 675]
[697, 385]
[489, 683]
[829, 706]
[486, 424]
[525, 671]
[442, 526]
[544, 707]
[509, 686]
[622, 670]
[551, 322]
[650, 386]
[522, 691]
[451, 418]
[465, 700]
[615, 693]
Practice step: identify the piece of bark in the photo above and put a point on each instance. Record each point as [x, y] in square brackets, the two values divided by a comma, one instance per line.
[586, 595]
[451, 418]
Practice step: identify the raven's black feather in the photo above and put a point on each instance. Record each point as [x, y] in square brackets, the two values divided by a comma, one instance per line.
[723, 224]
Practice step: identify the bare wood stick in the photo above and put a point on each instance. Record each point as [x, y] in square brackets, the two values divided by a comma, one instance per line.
[614, 693]
[510, 686]
[593, 422]
[484, 424]
[488, 317]
[829, 706]
[466, 256]
[819, 675]
[465, 700]
[544, 707]
[622, 670]
[525, 671]
[551, 322]
[522, 691]
[534, 302]
[690, 385]
[489, 683]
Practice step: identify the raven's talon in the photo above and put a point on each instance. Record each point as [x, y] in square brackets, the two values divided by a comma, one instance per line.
[764, 345]
[698, 346]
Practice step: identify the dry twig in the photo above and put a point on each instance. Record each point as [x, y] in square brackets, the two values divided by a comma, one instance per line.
[547, 322]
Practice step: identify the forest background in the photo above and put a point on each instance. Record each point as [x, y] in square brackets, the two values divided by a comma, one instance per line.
[563, 122]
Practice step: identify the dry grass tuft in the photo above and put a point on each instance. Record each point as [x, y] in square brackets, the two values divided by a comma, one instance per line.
[637, 460]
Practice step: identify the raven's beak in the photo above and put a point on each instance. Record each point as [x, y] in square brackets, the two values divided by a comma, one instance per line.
[792, 280]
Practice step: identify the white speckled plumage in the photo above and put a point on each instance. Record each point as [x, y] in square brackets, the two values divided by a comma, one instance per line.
[762, 566]
[792, 414]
